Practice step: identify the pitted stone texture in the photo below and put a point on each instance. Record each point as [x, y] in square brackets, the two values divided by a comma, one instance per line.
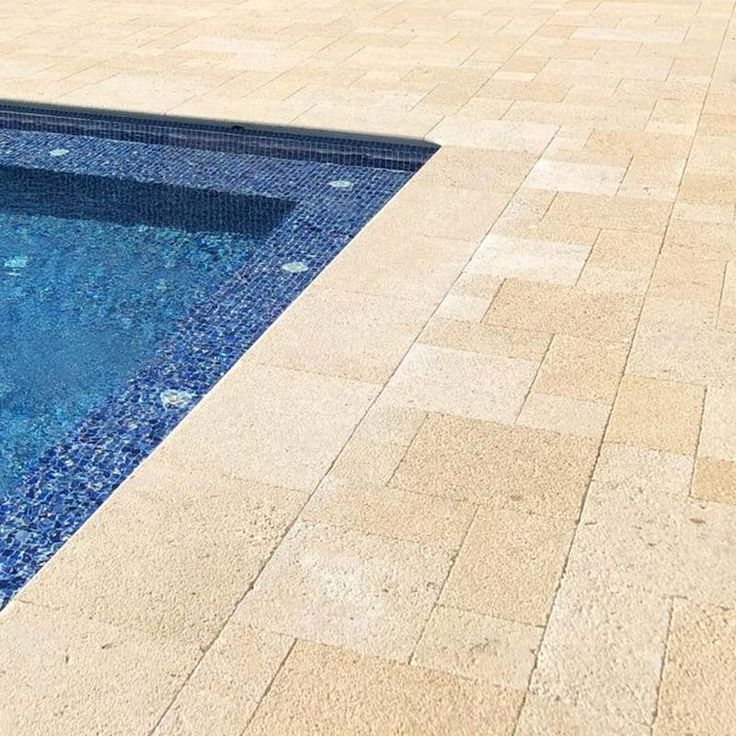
[363, 592]
[352, 335]
[603, 650]
[588, 370]
[431, 520]
[520, 468]
[228, 683]
[169, 554]
[64, 674]
[699, 676]
[272, 425]
[509, 565]
[566, 310]
[658, 415]
[480, 647]
[459, 382]
[321, 690]
[551, 717]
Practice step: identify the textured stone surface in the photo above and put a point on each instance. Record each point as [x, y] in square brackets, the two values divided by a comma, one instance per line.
[468, 644]
[227, 685]
[512, 467]
[71, 675]
[582, 204]
[336, 586]
[371, 696]
[699, 675]
[509, 565]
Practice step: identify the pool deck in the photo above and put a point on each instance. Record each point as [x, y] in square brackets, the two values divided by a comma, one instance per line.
[480, 478]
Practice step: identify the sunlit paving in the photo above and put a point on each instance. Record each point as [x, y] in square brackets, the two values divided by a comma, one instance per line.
[368, 367]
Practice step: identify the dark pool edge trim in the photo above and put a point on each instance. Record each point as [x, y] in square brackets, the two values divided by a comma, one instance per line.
[402, 153]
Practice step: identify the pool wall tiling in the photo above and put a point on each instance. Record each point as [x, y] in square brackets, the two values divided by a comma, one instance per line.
[308, 194]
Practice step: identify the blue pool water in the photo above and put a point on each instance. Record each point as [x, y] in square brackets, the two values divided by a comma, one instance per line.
[138, 261]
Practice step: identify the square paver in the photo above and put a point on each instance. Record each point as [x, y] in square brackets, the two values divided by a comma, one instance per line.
[589, 370]
[510, 565]
[366, 593]
[459, 382]
[659, 415]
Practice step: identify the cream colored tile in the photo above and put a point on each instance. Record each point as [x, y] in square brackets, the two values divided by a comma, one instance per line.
[715, 480]
[170, 554]
[520, 468]
[343, 334]
[434, 521]
[659, 415]
[589, 370]
[367, 461]
[699, 675]
[471, 168]
[505, 257]
[482, 338]
[480, 647]
[564, 415]
[271, 425]
[367, 593]
[603, 650]
[445, 211]
[94, 677]
[411, 266]
[509, 565]
[394, 425]
[551, 717]
[681, 274]
[324, 690]
[616, 213]
[227, 685]
[717, 438]
[476, 385]
[566, 310]
[562, 176]
[498, 135]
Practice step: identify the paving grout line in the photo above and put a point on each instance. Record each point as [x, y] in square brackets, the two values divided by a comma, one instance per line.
[442, 587]
[663, 663]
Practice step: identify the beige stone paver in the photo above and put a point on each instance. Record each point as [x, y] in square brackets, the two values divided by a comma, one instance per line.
[227, 685]
[173, 522]
[69, 674]
[372, 696]
[659, 415]
[510, 565]
[459, 382]
[480, 477]
[501, 466]
[367, 593]
[699, 672]
[479, 647]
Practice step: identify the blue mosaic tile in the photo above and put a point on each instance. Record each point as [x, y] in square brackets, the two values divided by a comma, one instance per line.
[260, 212]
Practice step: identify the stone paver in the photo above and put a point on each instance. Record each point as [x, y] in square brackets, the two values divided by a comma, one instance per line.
[480, 477]
[372, 696]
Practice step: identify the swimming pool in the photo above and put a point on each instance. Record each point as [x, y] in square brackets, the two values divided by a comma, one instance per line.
[139, 259]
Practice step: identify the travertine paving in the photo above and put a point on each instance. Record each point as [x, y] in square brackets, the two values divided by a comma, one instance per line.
[481, 477]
